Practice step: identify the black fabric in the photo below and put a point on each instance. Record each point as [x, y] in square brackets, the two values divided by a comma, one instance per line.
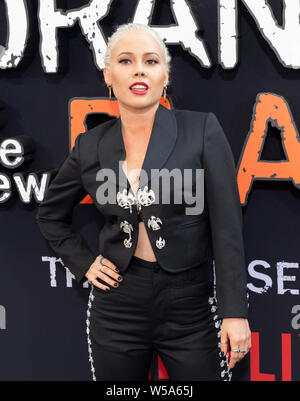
[172, 313]
[183, 138]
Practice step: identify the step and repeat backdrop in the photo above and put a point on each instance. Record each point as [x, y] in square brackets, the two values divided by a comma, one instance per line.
[237, 58]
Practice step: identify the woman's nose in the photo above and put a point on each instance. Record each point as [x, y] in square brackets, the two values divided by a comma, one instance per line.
[139, 73]
[139, 69]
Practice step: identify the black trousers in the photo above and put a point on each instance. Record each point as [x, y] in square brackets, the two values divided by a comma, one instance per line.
[173, 313]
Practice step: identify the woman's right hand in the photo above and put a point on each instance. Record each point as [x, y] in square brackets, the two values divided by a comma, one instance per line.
[106, 272]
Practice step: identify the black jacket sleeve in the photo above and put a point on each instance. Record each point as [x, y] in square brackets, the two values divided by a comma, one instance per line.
[54, 216]
[225, 215]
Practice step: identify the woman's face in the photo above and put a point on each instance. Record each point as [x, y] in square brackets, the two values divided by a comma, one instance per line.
[137, 57]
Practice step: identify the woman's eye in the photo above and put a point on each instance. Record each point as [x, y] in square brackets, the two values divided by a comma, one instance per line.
[126, 61]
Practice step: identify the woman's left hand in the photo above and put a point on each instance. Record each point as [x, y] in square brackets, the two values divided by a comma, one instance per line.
[235, 332]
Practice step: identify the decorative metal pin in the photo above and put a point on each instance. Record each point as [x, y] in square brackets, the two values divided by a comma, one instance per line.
[127, 228]
[153, 223]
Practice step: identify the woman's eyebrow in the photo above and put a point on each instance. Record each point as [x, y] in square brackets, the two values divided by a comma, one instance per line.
[144, 53]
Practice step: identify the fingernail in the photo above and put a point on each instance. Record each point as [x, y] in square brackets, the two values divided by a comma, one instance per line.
[117, 270]
[116, 285]
[119, 278]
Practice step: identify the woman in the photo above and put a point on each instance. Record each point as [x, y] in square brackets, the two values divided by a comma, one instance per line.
[152, 284]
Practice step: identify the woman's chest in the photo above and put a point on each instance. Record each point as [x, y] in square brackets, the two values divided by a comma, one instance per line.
[169, 173]
[135, 156]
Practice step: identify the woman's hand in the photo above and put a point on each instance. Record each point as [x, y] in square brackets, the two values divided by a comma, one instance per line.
[106, 271]
[235, 332]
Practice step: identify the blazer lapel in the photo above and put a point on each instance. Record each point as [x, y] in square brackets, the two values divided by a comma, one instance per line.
[163, 137]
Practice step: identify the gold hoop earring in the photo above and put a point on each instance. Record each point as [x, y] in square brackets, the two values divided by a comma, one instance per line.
[165, 93]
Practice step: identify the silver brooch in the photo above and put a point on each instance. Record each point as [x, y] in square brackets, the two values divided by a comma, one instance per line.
[145, 197]
[127, 228]
[153, 223]
[125, 200]
[160, 243]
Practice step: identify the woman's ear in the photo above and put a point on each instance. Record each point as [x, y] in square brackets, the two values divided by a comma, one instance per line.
[167, 79]
[106, 75]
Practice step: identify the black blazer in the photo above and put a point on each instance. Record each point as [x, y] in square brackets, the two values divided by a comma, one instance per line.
[180, 139]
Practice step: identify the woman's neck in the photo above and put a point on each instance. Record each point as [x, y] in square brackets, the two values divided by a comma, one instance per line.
[137, 122]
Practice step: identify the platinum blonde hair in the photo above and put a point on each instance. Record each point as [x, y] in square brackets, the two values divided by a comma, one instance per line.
[129, 27]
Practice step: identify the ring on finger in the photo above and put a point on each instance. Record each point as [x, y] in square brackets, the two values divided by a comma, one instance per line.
[236, 350]
[101, 260]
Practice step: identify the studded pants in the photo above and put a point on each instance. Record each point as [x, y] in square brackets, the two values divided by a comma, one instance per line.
[173, 313]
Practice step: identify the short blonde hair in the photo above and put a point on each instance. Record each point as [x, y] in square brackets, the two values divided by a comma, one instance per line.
[129, 27]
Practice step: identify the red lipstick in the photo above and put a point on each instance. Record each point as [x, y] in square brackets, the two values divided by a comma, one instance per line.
[139, 88]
